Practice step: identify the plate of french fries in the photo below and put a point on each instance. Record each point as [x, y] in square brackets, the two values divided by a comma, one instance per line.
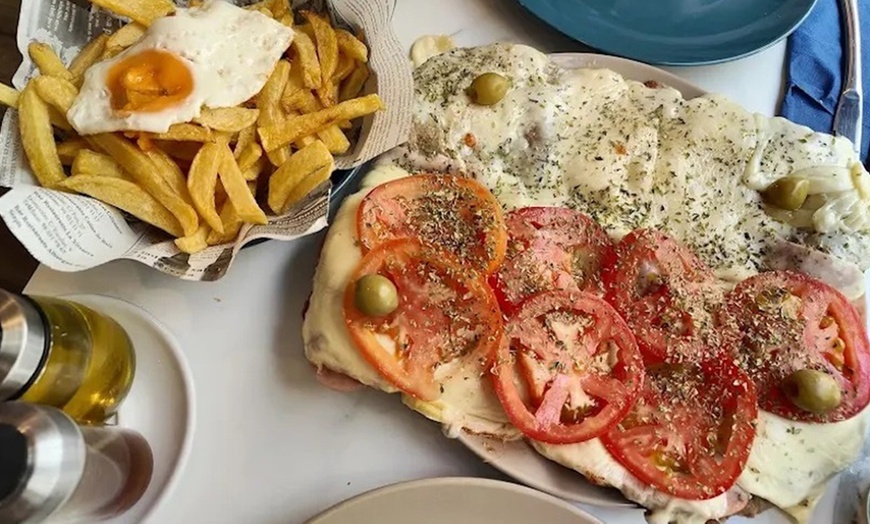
[201, 182]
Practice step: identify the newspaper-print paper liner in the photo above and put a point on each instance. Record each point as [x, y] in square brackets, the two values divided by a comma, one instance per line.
[71, 232]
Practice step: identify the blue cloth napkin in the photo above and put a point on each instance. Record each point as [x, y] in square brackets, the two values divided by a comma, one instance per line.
[814, 70]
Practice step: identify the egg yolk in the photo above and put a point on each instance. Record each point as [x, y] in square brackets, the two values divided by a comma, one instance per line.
[149, 82]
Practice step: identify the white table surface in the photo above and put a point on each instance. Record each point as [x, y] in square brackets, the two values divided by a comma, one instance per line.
[271, 444]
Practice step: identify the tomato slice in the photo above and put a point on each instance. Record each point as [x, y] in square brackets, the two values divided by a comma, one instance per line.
[457, 214]
[445, 312]
[667, 295]
[781, 322]
[567, 367]
[550, 248]
[691, 430]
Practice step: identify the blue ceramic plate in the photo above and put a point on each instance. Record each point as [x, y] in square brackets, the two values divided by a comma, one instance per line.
[674, 32]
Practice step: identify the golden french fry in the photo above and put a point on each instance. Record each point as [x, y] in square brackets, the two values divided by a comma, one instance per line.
[351, 45]
[307, 29]
[56, 92]
[8, 96]
[170, 173]
[194, 3]
[353, 84]
[279, 8]
[88, 56]
[227, 119]
[127, 196]
[47, 61]
[146, 174]
[294, 128]
[253, 171]
[334, 139]
[307, 185]
[194, 243]
[246, 137]
[305, 141]
[250, 156]
[181, 150]
[345, 67]
[37, 137]
[232, 224]
[327, 94]
[141, 11]
[69, 149]
[58, 119]
[294, 85]
[327, 44]
[187, 133]
[271, 113]
[237, 189]
[126, 36]
[286, 19]
[202, 183]
[306, 54]
[89, 162]
[303, 163]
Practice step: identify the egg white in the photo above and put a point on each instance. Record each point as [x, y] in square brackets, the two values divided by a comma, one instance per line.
[229, 51]
[467, 401]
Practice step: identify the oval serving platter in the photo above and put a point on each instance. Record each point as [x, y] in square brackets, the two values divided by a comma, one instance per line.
[674, 32]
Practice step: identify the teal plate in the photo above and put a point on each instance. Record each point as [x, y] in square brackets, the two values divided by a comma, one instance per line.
[674, 32]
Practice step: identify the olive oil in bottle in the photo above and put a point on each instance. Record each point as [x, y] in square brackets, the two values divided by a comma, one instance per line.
[62, 354]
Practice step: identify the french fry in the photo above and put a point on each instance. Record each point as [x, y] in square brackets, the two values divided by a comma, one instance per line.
[196, 242]
[47, 61]
[351, 46]
[327, 45]
[88, 56]
[237, 189]
[202, 183]
[141, 11]
[181, 150]
[125, 37]
[187, 133]
[252, 172]
[89, 162]
[271, 113]
[294, 128]
[353, 84]
[56, 92]
[331, 136]
[250, 156]
[69, 149]
[286, 19]
[170, 173]
[327, 94]
[227, 119]
[295, 85]
[279, 8]
[194, 3]
[306, 54]
[246, 137]
[144, 172]
[232, 224]
[38, 138]
[307, 185]
[127, 196]
[345, 67]
[303, 163]
[9, 96]
[58, 119]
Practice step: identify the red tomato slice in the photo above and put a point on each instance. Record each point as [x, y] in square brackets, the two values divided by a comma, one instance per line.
[567, 367]
[550, 249]
[781, 322]
[691, 430]
[667, 295]
[456, 214]
[445, 312]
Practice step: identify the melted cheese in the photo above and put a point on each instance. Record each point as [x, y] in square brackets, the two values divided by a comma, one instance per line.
[467, 401]
[790, 461]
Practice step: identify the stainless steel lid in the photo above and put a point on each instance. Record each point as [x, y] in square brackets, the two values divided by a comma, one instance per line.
[23, 340]
[42, 458]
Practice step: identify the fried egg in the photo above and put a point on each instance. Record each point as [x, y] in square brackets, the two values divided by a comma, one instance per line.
[467, 401]
[215, 55]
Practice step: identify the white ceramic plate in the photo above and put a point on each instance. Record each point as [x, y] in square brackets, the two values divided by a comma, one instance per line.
[160, 405]
[517, 459]
[454, 501]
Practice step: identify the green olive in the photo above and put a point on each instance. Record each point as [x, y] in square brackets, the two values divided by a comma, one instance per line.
[488, 89]
[787, 193]
[375, 296]
[812, 390]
